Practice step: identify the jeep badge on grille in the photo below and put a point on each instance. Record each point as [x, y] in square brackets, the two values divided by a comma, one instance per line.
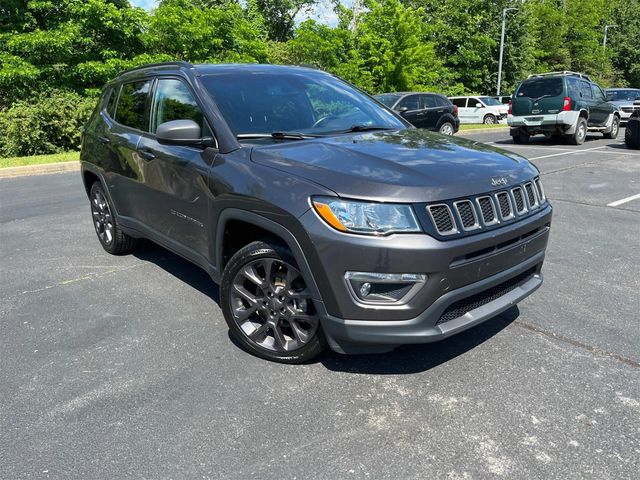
[498, 182]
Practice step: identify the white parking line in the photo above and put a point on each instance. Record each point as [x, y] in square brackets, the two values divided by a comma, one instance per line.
[623, 200]
[568, 153]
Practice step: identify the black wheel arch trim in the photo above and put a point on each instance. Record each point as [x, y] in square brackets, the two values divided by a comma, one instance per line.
[270, 226]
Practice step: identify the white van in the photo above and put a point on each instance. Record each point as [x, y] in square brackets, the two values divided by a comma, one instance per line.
[480, 109]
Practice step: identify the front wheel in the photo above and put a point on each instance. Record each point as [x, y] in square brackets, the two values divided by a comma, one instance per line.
[446, 128]
[267, 305]
[490, 120]
[615, 128]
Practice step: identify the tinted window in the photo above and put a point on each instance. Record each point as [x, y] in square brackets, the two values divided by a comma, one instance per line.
[585, 89]
[388, 100]
[410, 102]
[428, 101]
[131, 110]
[537, 87]
[472, 102]
[441, 101]
[174, 101]
[490, 101]
[310, 102]
[113, 98]
[573, 85]
[459, 102]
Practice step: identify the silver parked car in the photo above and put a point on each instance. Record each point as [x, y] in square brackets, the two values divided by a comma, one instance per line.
[626, 99]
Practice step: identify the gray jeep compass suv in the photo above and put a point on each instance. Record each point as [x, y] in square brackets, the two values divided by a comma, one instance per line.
[325, 217]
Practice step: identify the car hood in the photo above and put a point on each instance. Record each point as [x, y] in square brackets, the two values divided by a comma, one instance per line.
[409, 165]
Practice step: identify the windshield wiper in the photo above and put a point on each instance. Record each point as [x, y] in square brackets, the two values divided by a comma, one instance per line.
[364, 128]
[277, 135]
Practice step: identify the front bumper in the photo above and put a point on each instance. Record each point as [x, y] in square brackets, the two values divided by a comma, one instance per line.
[455, 269]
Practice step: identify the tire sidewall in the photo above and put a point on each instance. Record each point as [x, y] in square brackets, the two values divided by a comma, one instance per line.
[109, 247]
[443, 126]
[249, 253]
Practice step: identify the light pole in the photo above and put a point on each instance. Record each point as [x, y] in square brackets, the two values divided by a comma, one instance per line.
[604, 43]
[504, 21]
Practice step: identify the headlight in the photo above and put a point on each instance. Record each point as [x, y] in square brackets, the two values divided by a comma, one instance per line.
[363, 217]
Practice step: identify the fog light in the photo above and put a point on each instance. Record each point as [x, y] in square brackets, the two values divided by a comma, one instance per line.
[386, 288]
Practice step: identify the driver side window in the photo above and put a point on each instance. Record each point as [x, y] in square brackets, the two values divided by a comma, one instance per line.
[410, 102]
[174, 101]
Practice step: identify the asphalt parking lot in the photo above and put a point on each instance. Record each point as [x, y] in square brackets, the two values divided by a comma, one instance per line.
[115, 367]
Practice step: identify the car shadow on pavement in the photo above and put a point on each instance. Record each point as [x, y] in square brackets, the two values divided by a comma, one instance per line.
[419, 358]
[177, 266]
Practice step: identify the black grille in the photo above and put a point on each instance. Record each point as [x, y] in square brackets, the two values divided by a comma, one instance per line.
[517, 195]
[461, 307]
[530, 194]
[486, 206]
[505, 205]
[442, 218]
[467, 217]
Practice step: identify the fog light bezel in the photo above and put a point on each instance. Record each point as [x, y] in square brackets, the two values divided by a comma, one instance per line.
[355, 279]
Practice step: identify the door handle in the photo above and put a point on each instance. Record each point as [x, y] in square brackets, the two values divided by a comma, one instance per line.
[104, 139]
[440, 111]
[146, 154]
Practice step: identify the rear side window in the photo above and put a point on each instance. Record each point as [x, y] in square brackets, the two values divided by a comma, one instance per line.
[113, 99]
[585, 89]
[174, 101]
[441, 101]
[573, 85]
[459, 102]
[537, 87]
[132, 105]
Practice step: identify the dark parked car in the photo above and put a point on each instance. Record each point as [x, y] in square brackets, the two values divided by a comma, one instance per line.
[325, 218]
[561, 104]
[632, 132]
[430, 111]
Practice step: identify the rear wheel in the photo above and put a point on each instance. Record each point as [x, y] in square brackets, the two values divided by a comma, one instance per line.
[521, 138]
[267, 304]
[111, 237]
[578, 137]
[489, 119]
[615, 128]
[446, 128]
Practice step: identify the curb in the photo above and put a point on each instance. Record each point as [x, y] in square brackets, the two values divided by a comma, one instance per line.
[43, 169]
[482, 130]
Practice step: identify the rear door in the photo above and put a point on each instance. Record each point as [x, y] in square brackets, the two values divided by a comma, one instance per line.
[586, 94]
[432, 110]
[175, 177]
[125, 177]
[409, 107]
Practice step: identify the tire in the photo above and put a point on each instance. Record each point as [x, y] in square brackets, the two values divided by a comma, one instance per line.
[267, 305]
[521, 138]
[489, 119]
[615, 129]
[578, 137]
[111, 237]
[632, 134]
[446, 129]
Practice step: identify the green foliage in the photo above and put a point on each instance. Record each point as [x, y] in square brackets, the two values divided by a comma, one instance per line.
[50, 123]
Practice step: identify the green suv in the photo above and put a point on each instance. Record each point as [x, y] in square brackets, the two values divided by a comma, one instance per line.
[561, 104]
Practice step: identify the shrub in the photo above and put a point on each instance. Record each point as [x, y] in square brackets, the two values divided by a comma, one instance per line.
[50, 123]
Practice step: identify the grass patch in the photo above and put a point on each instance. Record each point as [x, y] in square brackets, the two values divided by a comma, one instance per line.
[39, 159]
[480, 126]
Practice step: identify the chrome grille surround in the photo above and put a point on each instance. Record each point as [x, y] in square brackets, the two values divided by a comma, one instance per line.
[532, 198]
[504, 204]
[519, 201]
[442, 218]
[467, 215]
[487, 210]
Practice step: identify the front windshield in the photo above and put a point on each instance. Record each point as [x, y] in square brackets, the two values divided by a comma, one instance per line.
[626, 94]
[304, 102]
[387, 99]
[490, 101]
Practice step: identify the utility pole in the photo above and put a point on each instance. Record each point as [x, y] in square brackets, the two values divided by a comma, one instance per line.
[356, 13]
[504, 21]
[604, 43]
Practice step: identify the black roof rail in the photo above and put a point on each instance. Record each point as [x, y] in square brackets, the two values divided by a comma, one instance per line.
[177, 63]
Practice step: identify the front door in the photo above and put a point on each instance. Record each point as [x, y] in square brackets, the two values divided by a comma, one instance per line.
[409, 107]
[175, 176]
[433, 111]
[601, 109]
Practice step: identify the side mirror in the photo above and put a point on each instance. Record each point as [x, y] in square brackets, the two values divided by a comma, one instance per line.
[479, 105]
[403, 109]
[179, 132]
